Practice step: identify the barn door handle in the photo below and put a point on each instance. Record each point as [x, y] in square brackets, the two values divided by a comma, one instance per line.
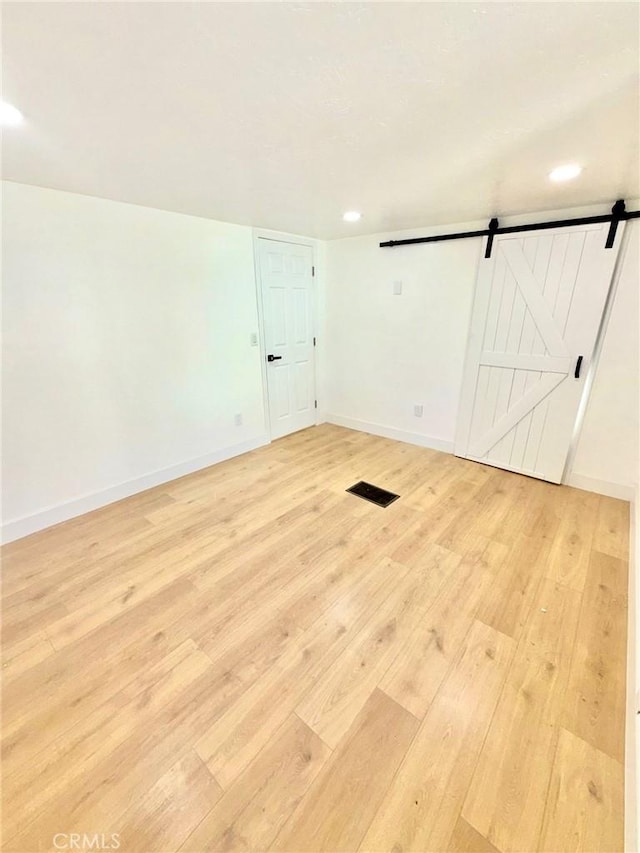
[273, 357]
[576, 373]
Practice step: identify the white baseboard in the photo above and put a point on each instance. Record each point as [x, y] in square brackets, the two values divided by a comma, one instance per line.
[18, 527]
[602, 487]
[390, 432]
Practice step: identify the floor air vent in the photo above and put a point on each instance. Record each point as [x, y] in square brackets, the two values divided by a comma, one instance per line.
[373, 493]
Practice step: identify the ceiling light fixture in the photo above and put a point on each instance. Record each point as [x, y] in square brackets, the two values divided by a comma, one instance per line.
[565, 173]
[352, 216]
[9, 115]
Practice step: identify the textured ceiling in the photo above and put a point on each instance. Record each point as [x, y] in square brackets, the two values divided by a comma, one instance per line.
[283, 115]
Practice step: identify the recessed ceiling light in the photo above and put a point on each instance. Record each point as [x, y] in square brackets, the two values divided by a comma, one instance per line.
[9, 115]
[352, 216]
[565, 173]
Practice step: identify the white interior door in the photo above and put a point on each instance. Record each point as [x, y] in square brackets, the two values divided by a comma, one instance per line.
[537, 308]
[286, 276]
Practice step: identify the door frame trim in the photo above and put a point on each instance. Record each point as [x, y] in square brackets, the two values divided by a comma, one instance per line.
[281, 237]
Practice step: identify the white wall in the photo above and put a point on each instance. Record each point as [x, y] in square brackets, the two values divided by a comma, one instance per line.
[126, 350]
[632, 753]
[608, 445]
[387, 353]
[632, 721]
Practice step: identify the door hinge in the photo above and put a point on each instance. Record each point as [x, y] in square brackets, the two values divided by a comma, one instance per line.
[313, 271]
[315, 406]
[314, 341]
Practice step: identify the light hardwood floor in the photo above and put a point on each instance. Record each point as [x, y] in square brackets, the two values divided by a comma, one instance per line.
[250, 659]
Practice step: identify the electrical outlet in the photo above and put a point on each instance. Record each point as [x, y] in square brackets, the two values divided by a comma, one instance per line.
[238, 419]
[254, 339]
[397, 288]
[417, 410]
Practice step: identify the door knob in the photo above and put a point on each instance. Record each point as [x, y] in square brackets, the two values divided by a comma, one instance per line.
[273, 357]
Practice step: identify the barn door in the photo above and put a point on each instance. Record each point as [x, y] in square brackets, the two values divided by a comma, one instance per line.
[537, 309]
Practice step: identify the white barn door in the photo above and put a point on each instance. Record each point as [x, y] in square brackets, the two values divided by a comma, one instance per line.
[538, 304]
[286, 276]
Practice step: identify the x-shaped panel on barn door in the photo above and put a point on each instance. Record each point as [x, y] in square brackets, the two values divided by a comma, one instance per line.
[554, 365]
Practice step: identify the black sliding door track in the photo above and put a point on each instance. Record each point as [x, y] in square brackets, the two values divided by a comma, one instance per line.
[618, 214]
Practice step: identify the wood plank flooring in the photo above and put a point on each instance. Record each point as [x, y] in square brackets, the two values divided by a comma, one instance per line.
[250, 659]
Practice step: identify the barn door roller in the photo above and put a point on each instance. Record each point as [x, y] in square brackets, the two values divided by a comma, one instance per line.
[618, 214]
